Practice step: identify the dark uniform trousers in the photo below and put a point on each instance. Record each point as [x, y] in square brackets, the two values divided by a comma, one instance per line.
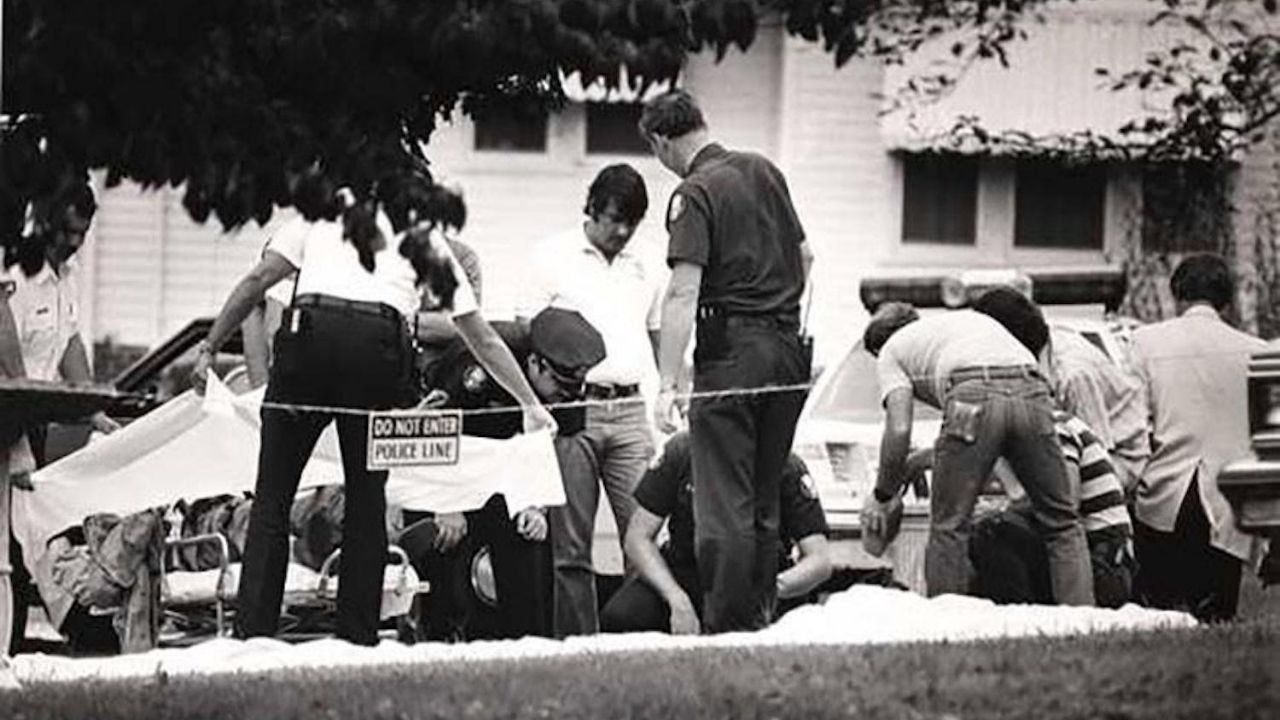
[342, 354]
[521, 575]
[740, 444]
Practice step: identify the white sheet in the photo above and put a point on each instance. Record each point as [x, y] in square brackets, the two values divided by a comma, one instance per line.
[194, 447]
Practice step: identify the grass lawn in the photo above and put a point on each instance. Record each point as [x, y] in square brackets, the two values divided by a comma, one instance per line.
[1209, 672]
[1228, 671]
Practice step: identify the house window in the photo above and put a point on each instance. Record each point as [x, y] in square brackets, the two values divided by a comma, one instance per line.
[611, 129]
[1059, 206]
[511, 130]
[940, 198]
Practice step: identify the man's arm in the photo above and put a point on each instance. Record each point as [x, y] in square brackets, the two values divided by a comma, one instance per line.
[679, 306]
[248, 293]
[806, 258]
[813, 568]
[894, 443]
[640, 543]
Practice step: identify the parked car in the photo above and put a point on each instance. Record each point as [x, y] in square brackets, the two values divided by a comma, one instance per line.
[839, 431]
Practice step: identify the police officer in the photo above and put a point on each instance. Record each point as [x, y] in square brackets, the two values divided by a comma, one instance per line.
[739, 262]
[344, 345]
[556, 349]
[665, 596]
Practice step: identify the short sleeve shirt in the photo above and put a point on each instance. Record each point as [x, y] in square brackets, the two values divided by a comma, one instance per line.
[923, 354]
[329, 265]
[732, 215]
[46, 311]
[666, 490]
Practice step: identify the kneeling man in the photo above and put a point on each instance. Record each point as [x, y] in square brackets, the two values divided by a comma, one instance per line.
[666, 595]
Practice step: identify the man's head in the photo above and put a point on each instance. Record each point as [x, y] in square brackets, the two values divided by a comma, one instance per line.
[673, 126]
[1018, 314]
[887, 320]
[616, 202]
[1203, 278]
[564, 348]
[71, 213]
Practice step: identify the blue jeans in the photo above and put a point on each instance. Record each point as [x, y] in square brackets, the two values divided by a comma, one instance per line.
[1008, 414]
[613, 450]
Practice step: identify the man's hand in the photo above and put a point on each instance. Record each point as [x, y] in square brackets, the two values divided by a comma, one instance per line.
[537, 417]
[450, 529]
[684, 620]
[874, 515]
[102, 423]
[531, 523]
[880, 523]
[668, 410]
[204, 363]
[437, 398]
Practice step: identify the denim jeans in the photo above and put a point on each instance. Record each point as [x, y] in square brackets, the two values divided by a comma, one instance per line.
[1008, 416]
[740, 444]
[613, 450]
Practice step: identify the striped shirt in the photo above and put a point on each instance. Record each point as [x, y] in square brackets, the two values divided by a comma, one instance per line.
[1101, 494]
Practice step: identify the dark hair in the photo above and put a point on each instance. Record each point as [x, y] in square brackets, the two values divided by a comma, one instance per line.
[431, 266]
[671, 114]
[623, 185]
[28, 249]
[360, 228]
[1203, 277]
[1018, 314]
[888, 319]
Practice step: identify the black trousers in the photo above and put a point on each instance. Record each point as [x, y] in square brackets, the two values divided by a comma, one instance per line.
[637, 607]
[345, 358]
[1181, 570]
[740, 444]
[522, 574]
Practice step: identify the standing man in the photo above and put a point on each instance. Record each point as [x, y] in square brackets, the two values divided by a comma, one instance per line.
[739, 263]
[995, 404]
[594, 272]
[1193, 369]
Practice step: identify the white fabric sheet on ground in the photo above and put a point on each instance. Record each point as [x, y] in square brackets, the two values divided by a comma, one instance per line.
[860, 615]
[193, 447]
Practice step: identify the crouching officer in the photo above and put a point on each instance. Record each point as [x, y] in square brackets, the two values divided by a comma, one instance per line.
[556, 349]
[739, 261]
[666, 595]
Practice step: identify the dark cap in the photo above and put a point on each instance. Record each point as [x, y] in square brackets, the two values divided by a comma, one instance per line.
[566, 339]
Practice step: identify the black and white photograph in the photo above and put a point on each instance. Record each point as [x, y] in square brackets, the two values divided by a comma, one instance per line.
[575, 359]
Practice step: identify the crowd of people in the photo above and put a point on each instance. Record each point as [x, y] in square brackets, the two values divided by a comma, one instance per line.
[1111, 468]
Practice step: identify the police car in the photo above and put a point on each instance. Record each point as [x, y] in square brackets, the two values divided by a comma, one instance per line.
[839, 431]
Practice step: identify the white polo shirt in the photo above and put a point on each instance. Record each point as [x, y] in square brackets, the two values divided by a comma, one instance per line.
[46, 309]
[622, 299]
[329, 265]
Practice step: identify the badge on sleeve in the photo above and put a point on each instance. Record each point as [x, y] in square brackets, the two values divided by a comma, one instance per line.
[808, 487]
[677, 208]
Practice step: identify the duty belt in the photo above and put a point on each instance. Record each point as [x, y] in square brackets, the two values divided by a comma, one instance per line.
[600, 391]
[780, 321]
[362, 307]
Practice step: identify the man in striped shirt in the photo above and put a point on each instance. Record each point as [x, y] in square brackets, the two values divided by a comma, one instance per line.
[1008, 555]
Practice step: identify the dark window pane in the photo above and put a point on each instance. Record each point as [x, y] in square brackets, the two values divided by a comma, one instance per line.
[508, 130]
[1059, 206]
[1186, 207]
[939, 198]
[611, 129]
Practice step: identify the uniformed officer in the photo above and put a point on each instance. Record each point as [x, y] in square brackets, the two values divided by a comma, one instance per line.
[665, 596]
[556, 349]
[739, 262]
[345, 345]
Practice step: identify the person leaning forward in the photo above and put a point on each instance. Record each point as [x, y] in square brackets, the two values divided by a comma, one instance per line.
[739, 262]
[995, 403]
[345, 346]
[557, 349]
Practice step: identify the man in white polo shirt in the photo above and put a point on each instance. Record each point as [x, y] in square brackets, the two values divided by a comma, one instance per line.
[594, 272]
[995, 404]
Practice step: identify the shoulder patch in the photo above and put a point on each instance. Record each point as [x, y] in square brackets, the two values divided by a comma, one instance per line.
[676, 209]
[474, 378]
[808, 487]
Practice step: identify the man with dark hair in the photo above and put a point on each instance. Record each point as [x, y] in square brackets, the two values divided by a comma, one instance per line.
[1086, 383]
[556, 349]
[1193, 369]
[995, 403]
[596, 271]
[739, 264]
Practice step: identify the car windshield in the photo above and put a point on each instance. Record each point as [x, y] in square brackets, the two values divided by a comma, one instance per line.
[852, 393]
